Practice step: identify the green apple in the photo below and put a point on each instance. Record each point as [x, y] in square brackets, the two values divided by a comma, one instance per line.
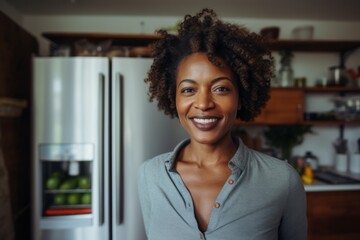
[52, 183]
[58, 174]
[86, 198]
[84, 182]
[59, 199]
[73, 198]
[70, 183]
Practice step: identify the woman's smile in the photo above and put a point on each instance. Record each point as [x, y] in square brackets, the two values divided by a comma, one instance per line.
[205, 124]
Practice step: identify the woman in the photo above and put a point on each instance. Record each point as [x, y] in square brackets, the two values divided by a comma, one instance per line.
[212, 186]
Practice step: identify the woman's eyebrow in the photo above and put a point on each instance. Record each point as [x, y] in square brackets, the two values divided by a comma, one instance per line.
[186, 80]
[219, 79]
[212, 81]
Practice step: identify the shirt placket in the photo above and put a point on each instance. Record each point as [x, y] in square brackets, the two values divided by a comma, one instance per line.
[188, 203]
[219, 204]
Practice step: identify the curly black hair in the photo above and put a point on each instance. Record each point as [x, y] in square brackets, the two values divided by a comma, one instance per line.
[242, 51]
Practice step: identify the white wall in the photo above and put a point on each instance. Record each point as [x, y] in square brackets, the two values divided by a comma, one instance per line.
[310, 65]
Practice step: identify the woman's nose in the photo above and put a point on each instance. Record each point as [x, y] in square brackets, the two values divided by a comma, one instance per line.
[204, 101]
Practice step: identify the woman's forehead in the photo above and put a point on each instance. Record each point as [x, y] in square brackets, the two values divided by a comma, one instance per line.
[198, 65]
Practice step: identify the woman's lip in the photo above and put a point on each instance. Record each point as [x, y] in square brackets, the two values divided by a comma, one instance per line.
[205, 124]
[206, 120]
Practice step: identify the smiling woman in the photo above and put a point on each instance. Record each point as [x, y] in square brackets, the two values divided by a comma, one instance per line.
[206, 98]
[212, 186]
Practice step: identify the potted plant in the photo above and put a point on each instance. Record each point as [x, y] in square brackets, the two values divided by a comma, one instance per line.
[285, 138]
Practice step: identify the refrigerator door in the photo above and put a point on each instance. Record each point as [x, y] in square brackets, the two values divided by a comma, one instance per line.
[71, 109]
[139, 132]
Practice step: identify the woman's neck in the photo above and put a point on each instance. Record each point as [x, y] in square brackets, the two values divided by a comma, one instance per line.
[209, 154]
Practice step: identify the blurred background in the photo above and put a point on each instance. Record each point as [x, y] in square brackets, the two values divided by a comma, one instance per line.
[315, 97]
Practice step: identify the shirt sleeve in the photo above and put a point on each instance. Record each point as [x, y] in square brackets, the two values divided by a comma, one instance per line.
[294, 223]
[144, 197]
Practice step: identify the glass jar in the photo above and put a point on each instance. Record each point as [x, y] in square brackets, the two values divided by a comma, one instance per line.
[286, 76]
[338, 76]
[312, 160]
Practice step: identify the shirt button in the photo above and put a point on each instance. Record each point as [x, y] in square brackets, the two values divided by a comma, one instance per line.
[217, 205]
[202, 236]
[231, 181]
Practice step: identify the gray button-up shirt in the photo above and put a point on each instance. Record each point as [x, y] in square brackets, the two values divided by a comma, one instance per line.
[263, 199]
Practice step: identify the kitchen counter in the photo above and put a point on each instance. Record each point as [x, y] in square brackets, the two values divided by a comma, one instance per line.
[319, 186]
[333, 211]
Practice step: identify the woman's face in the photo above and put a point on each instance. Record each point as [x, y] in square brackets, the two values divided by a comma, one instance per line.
[207, 99]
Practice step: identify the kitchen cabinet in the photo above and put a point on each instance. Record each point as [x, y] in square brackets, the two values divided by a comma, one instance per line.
[16, 49]
[333, 215]
[284, 107]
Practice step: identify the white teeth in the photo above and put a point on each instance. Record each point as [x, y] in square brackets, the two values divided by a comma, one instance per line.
[205, 120]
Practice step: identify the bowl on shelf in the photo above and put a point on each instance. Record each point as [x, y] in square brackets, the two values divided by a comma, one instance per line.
[270, 32]
[303, 32]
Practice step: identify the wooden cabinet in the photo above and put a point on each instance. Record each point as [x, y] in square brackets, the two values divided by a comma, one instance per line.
[16, 49]
[333, 215]
[284, 107]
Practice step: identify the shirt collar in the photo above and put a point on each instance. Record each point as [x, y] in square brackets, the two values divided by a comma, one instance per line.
[237, 163]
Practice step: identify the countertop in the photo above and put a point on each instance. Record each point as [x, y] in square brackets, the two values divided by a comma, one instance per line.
[319, 186]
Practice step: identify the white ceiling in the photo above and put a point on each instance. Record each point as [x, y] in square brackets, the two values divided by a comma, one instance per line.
[347, 10]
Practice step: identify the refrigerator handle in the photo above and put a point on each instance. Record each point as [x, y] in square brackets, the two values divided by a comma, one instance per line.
[117, 146]
[103, 145]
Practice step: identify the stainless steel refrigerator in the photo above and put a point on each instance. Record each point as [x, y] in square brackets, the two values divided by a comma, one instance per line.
[93, 127]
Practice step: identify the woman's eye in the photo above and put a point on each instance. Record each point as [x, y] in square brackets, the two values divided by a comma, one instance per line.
[221, 89]
[187, 90]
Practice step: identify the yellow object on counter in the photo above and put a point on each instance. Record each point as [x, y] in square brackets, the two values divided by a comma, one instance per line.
[307, 179]
[308, 175]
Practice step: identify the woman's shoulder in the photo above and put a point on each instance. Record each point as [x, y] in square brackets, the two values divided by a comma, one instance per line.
[273, 166]
[269, 161]
[154, 164]
[167, 158]
[273, 175]
[161, 158]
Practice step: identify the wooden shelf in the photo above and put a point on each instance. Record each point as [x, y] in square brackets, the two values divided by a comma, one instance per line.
[332, 123]
[68, 38]
[332, 89]
[313, 123]
[320, 89]
[11, 107]
[254, 123]
[314, 45]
